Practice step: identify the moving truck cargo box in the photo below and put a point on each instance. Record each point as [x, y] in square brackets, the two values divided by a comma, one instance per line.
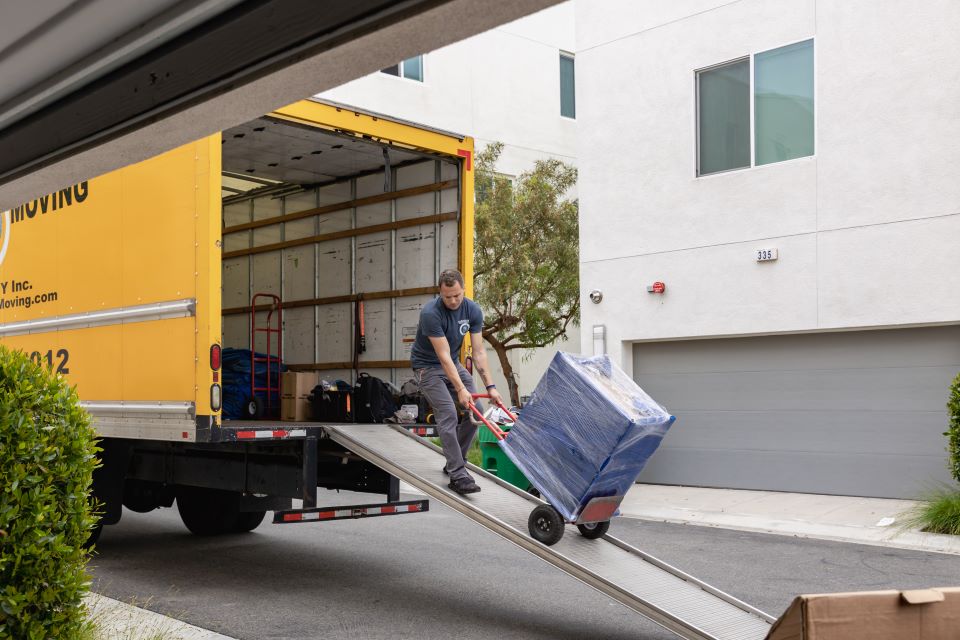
[923, 614]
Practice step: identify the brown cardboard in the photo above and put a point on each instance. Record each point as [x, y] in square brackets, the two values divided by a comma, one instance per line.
[298, 384]
[923, 614]
[295, 409]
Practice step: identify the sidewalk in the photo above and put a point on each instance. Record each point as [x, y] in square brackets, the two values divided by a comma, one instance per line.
[873, 521]
[120, 621]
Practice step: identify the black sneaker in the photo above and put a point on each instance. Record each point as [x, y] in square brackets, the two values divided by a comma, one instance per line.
[464, 486]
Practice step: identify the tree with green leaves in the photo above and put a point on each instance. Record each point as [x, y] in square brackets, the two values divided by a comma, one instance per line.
[526, 261]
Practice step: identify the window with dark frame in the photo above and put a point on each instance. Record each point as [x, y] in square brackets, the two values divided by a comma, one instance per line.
[411, 69]
[756, 110]
[568, 94]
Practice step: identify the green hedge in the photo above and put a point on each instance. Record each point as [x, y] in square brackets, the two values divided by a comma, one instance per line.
[47, 456]
[953, 430]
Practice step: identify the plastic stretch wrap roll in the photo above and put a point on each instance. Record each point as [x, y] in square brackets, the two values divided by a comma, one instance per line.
[587, 431]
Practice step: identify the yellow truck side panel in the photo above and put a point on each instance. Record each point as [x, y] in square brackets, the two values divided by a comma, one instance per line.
[208, 275]
[145, 234]
[145, 360]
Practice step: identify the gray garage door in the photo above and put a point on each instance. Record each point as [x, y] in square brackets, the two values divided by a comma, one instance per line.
[859, 413]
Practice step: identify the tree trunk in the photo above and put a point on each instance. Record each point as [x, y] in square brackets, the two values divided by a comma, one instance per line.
[507, 369]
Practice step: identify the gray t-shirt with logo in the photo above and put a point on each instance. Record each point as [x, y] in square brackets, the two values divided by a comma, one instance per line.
[437, 321]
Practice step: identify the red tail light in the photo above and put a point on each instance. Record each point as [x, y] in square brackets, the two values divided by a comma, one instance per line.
[215, 357]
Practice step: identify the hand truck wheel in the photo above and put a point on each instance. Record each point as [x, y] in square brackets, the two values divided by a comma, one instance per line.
[545, 525]
[593, 530]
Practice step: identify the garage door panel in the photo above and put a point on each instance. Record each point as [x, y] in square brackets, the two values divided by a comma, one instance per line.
[935, 346]
[864, 410]
[878, 432]
[835, 474]
[888, 389]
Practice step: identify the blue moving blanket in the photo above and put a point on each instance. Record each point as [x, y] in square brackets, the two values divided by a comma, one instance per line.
[587, 431]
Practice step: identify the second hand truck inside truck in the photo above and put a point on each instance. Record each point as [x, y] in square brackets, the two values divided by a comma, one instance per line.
[130, 284]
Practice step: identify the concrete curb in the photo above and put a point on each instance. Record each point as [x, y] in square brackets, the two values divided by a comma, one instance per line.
[870, 521]
[121, 621]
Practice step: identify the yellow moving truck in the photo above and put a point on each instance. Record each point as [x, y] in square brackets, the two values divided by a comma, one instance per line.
[130, 284]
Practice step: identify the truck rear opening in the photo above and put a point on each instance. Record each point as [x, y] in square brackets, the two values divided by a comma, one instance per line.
[347, 228]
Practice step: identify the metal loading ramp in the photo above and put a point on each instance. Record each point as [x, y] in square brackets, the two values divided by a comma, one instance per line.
[666, 595]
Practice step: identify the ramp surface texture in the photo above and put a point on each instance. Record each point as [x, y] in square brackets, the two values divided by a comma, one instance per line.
[679, 602]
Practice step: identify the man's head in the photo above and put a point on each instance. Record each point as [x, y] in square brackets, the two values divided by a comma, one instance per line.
[451, 289]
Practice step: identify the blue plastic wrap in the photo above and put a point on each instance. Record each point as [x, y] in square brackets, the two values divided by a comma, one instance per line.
[236, 382]
[587, 431]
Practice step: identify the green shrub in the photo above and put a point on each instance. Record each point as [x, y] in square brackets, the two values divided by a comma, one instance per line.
[953, 428]
[937, 513]
[47, 456]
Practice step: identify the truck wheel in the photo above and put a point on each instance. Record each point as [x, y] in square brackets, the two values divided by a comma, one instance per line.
[208, 512]
[545, 525]
[142, 496]
[594, 530]
[248, 521]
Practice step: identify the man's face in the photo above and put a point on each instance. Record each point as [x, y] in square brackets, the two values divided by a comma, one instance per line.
[452, 296]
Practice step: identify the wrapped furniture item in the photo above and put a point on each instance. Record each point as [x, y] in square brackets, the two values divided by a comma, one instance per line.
[582, 439]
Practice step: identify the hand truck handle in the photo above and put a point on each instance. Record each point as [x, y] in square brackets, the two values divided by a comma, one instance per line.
[499, 404]
[499, 433]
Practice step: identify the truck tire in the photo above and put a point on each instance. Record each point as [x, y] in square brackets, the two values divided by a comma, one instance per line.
[208, 512]
[142, 496]
[248, 521]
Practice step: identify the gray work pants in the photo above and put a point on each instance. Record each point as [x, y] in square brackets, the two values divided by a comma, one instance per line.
[456, 437]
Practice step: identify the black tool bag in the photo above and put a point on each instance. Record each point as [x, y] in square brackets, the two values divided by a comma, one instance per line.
[410, 394]
[375, 402]
[333, 403]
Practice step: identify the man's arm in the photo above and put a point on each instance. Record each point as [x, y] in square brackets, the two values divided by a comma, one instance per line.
[442, 347]
[480, 360]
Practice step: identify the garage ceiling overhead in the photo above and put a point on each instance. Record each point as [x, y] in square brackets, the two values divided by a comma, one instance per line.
[93, 85]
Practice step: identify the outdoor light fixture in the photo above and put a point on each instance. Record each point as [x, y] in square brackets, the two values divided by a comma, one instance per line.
[596, 296]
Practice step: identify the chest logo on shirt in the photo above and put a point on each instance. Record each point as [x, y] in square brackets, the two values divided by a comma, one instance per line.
[464, 327]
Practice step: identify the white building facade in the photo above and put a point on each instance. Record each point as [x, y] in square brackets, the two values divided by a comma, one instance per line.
[503, 85]
[788, 170]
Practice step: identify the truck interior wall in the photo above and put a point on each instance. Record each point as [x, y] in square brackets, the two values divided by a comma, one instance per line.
[317, 335]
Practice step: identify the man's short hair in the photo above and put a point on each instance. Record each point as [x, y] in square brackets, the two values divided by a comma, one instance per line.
[450, 277]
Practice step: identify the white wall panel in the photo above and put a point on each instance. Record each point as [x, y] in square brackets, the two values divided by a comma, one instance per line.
[236, 282]
[236, 331]
[299, 273]
[377, 325]
[234, 214]
[335, 332]
[333, 274]
[266, 273]
[416, 252]
[373, 262]
[236, 241]
[299, 335]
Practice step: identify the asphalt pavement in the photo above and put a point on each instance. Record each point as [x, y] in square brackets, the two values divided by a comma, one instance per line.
[438, 575]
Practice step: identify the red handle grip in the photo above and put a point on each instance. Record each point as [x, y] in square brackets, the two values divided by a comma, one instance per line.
[499, 433]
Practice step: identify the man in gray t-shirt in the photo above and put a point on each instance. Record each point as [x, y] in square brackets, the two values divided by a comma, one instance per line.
[435, 359]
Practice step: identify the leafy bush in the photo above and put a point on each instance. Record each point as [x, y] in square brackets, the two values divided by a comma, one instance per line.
[47, 456]
[953, 428]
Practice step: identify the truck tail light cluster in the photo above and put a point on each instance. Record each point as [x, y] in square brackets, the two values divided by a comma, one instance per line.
[216, 393]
